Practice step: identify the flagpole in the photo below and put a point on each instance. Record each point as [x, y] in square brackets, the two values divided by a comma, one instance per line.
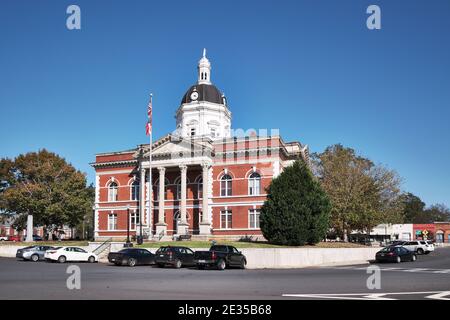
[150, 188]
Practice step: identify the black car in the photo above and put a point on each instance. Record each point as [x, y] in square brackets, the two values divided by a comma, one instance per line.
[131, 257]
[395, 254]
[174, 256]
[221, 257]
[37, 238]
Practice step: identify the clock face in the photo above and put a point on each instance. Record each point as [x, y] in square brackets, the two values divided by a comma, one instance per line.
[194, 95]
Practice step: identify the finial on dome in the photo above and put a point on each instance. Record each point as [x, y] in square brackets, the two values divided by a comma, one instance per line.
[204, 69]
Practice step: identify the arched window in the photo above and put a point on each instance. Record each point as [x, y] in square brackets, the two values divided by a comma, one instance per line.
[135, 190]
[254, 184]
[226, 186]
[112, 191]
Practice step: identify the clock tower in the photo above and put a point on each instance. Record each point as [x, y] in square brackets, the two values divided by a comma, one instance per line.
[203, 111]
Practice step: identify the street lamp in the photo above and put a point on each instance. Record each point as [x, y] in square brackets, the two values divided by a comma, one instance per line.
[128, 243]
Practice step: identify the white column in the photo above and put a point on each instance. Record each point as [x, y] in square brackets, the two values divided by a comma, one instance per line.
[183, 225]
[142, 200]
[161, 199]
[161, 226]
[205, 225]
[29, 228]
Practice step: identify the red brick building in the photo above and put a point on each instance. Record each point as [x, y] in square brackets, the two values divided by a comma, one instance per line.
[423, 231]
[207, 179]
[442, 233]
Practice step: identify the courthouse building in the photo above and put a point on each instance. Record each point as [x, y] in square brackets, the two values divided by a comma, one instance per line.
[207, 179]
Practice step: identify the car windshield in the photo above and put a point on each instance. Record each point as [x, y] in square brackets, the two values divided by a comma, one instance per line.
[387, 249]
[219, 248]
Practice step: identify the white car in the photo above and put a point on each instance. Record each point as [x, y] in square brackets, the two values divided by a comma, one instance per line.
[63, 254]
[419, 246]
[429, 246]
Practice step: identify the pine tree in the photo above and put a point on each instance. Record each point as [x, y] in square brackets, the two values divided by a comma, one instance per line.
[297, 209]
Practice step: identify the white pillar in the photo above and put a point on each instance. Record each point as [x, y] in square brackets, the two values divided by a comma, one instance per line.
[205, 224]
[183, 226]
[161, 226]
[29, 228]
[141, 200]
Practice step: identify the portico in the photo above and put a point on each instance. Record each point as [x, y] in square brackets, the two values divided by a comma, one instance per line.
[167, 158]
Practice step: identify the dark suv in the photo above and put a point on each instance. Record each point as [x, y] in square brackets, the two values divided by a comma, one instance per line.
[174, 256]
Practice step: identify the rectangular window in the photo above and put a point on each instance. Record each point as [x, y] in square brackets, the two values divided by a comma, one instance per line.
[112, 221]
[226, 219]
[112, 193]
[253, 218]
[134, 220]
[225, 187]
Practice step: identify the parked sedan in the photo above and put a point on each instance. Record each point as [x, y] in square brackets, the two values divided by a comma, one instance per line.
[63, 254]
[131, 257]
[395, 254]
[174, 256]
[33, 253]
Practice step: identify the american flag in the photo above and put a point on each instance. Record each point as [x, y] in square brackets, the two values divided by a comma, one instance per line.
[148, 127]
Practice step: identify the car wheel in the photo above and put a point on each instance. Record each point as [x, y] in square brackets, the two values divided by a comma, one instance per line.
[243, 264]
[62, 259]
[178, 264]
[131, 262]
[91, 259]
[398, 259]
[414, 257]
[221, 265]
[420, 251]
[34, 257]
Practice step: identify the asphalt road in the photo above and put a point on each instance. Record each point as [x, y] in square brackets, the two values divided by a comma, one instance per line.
[427, 278]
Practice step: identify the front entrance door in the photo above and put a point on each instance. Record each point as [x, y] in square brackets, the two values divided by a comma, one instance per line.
[176, 220]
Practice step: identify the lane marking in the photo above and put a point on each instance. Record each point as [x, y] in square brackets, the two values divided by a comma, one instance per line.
[444, 295]
[437, 295]
[425, 270]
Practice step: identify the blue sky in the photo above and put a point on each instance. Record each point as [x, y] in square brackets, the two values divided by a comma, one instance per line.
[310, 68]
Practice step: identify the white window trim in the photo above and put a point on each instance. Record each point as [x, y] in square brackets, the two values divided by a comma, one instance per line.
[251, 183]
[250, 212]
[229, 218]
[131, 190]
[114, 219]
[116, 192]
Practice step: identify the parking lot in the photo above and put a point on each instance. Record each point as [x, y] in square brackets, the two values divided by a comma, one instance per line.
[428, 276]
